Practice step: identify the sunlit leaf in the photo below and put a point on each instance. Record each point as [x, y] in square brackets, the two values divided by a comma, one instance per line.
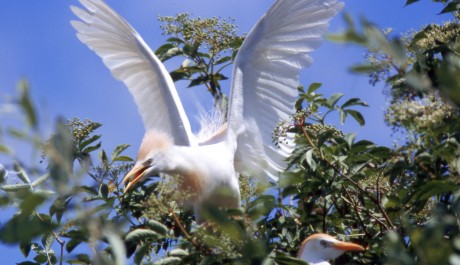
[15, 187]
[140, 234]
[40, 180]
[117, 246]
[313, 87]
[47, 241]
[332, 101]
[310, 160]
[168, 260]
[157, 227]
[118, 150]
[89, 141]
[178, 252]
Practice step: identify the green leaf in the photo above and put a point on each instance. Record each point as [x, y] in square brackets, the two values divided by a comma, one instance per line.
[140, 234]
[178, 252]
[354, 102]
[433, 188]
[357, 116]
[313, 87]
[142, 252]
[408, 2]
[168, 260]
[103, 158]
[199, 81]
[25, 248]
[73, 243]
[291, 178]
[81, 259]
[61, 153]
[164, 49]
[41, 258]
[103, 191]
[310, 160]
[47, 241]
[173, 52]
[223, 60]
[89, 141]
[180, 74]
[30, 227]
[30, 203]
[332, 101]
[343, 116]
[123, 159]
[451, 7]
[157, 227]
[261, 206]
[117, 246]
[15, 187]
[59, 206]
[26, 104]
[27, 263]
[4, 149]
[367, 68]
[175, 40]
[40, 180]
[21, 173]
[118, 150]
[90, 149]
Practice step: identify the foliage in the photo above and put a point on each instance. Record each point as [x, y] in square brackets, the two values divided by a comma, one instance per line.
[420, 72]
[209, 46]
[403, 203]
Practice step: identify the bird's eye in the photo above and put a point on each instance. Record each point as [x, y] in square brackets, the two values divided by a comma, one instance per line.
[148, 162]
[323, 243]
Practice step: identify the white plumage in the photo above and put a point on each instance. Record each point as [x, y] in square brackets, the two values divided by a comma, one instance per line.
[265, 78]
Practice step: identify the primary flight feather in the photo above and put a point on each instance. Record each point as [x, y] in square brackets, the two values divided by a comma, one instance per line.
[264, 88]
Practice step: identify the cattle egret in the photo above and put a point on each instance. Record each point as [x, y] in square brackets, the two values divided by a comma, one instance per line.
[317, 249]
[265, 78]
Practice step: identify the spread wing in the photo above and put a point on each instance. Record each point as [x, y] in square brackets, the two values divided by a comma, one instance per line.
[266, 76]
[130, 60]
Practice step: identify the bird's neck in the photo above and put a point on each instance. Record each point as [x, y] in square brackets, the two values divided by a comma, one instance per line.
[201, 173]
[312, 258]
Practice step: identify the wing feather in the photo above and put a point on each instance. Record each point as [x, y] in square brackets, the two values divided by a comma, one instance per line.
[130, 60]
[265, 78]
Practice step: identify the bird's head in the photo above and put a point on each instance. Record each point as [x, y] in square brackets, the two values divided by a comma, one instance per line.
[318, 248]
[150, 158]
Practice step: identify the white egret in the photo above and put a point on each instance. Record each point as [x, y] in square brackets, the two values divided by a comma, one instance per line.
[318, 248]
[265, 78]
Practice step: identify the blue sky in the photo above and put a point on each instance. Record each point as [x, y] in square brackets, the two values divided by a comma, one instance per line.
[68, 80]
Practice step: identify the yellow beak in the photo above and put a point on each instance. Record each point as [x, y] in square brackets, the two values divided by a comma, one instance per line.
[347, 246]
[134, 176]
